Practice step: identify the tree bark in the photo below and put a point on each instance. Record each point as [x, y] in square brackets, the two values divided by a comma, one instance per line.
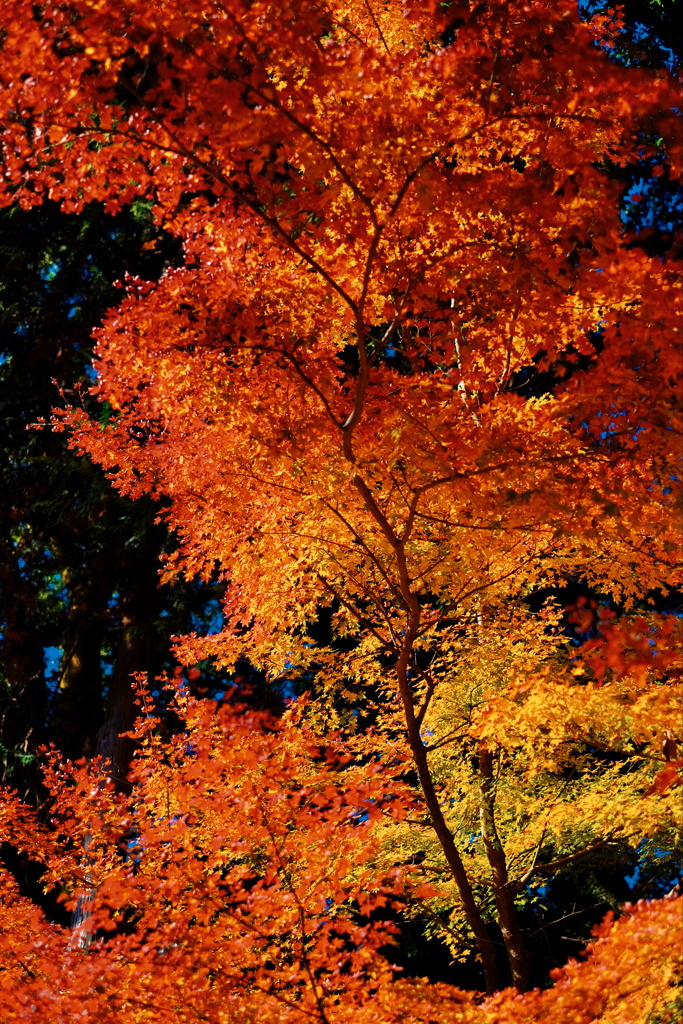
[137, 652]
[503, 893]
[485, 946]
[483, 941]
[77, 713]
[25, 701]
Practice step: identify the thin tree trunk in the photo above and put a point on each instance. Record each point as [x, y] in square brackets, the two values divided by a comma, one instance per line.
[485, 946]
[503, 894]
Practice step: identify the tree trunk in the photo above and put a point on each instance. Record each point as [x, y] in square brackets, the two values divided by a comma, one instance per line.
[474, 919]
[137, 652]
[77, 713]
[485, 946]
[25, 700]
[504, 897]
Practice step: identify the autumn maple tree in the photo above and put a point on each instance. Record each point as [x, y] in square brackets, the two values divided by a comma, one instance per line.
[413, 373]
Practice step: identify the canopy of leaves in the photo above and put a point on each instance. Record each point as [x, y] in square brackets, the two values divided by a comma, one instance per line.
[392, 217]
